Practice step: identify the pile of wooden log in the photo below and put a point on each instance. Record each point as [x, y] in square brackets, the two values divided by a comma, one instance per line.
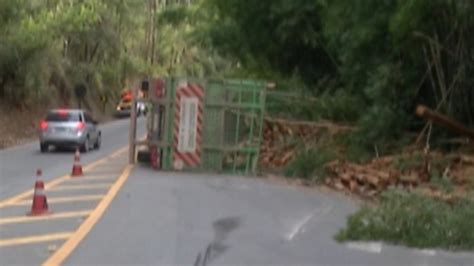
[461, 171]
[366, 180]
[371, 179]
[280, 138]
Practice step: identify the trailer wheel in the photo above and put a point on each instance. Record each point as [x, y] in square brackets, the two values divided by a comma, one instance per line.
[143, 157]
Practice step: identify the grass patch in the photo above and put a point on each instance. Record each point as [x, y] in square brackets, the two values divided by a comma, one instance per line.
[353, 151]
[309, 164]
[404, 163]
[443, 183]
[414, 220]
[358, 154]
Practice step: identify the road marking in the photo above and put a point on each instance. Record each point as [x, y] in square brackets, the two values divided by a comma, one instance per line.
[299, 226]
[76, 187]
[62, 200]
[96, 177]
[53, 216]
[30, 192]
[61, 179]
[66, 249]
[34, 239]
[111, 156]
[371, 247]
[428, 252]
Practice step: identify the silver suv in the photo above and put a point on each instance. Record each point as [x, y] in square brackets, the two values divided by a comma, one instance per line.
[69, 128]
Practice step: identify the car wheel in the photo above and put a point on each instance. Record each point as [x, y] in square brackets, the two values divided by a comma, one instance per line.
[85, 146]
[98, 142]
[43, 147]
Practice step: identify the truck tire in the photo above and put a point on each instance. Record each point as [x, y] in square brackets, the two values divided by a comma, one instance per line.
[43, 147]
[143, 157]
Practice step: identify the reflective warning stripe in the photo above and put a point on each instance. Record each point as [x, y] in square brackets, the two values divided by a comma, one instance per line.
[187, 133]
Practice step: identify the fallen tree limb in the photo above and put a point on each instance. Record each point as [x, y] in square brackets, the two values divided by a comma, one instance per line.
[442, 120]
[312, 124]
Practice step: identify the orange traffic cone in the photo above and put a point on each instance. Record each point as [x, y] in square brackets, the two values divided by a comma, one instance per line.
[40, 203]
[76, 167]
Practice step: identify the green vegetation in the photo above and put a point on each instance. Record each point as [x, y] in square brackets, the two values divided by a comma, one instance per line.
[404, 163]
[441, 182]
[370, 62]
[367, 63]
[309, 164]
[364, 62]
[50, 46]
[414, 220]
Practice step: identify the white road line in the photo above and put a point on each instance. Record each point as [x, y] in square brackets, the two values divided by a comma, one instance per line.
[371, 247]
[299, 226]
[428, 252]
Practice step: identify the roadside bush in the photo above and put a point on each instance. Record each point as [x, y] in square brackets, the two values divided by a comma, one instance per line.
[405, 163]
[340, 107]
[441, 182]
[353, 151]
[413, 220]
[309, 164]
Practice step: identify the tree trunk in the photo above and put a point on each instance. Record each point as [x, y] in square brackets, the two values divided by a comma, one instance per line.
[153, 31]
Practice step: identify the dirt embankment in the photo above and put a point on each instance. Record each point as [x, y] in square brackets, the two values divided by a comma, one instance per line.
[18, 126]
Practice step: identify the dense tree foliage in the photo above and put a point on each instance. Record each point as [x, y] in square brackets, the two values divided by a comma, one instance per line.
[49, 46]
[368, 61]
[383, 56]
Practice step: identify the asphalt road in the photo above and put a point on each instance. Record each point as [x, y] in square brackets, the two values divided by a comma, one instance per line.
[165, 218]
[18, 164]
[161, 218]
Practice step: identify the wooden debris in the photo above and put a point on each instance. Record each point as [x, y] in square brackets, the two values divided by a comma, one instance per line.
[467, 159]
[371, 179]
[279, 137]
[428, 114]
[278, 148]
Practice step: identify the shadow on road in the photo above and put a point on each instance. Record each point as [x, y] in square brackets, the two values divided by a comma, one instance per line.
[222, 228]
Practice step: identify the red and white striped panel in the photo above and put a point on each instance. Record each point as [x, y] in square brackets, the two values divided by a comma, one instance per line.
[187, 128]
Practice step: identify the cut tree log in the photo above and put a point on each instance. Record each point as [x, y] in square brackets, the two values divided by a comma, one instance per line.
[467, 159]
[442, 120]
[308, 124]
[287, 157]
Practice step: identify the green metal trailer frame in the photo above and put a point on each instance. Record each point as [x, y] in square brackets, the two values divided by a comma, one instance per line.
[232, 125]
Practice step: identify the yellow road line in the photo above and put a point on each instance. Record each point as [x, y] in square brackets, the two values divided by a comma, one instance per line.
[111, 156]
[34, 239]
[95, 177]
[104, 172]
[62, 199]
[26, 219]
[61, 179]
[66, 249]
[78, 187]
[30, 192]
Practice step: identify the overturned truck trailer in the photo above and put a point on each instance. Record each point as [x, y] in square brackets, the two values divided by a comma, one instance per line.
[202, 125]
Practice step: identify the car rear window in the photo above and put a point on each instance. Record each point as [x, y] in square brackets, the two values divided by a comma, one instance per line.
[63, 117]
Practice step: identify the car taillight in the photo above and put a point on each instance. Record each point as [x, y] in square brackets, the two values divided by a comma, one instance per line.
[43, 125]
[81, 126]
[62, 112]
